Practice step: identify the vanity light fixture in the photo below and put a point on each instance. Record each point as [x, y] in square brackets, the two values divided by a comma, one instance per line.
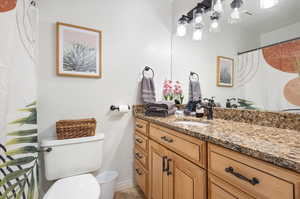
[215, 7]
[215, 26]
[198, 15]
[197, 33]
[235, 15]
[198, 24]
[218, 6]
[182, 26]
[265, 4]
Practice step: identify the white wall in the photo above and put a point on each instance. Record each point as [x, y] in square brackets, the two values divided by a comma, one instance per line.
[282, 34]
[201, 56]
[135, 33]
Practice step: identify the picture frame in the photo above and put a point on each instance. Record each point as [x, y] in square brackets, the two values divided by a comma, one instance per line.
[225, 71]
[79, 51]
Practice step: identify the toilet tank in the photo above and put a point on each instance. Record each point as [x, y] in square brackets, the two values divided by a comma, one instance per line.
[71, 157]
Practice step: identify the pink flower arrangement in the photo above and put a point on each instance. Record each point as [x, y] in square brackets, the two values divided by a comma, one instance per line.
[168, 90]
[178, 88]
[178, 92]
[171, 92]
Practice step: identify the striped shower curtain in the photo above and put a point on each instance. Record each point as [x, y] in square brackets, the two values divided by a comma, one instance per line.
[18, 115]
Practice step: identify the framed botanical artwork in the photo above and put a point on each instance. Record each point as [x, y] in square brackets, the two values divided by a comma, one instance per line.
[79, 51]
[225, 71]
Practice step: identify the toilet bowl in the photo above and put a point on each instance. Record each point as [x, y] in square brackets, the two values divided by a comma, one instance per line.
[77, 187]
[69, 162]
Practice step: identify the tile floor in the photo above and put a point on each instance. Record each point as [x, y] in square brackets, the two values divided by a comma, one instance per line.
[132, 193]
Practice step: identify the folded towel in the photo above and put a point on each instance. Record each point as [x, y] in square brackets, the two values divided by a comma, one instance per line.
[167, 105]
[161, 113]
[194, 90]
[148, 90]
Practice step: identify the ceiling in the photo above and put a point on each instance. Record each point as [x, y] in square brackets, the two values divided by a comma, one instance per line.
[287, 12]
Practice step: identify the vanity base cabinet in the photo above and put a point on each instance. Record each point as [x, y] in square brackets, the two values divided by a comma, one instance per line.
[170, 165]
[173, 177]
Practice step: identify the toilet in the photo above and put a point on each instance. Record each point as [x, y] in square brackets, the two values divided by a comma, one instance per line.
[69, 163]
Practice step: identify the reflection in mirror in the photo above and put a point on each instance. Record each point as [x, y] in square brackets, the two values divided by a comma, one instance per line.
[246, 53]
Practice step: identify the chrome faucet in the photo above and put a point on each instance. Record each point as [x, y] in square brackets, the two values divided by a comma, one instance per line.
[209, 107]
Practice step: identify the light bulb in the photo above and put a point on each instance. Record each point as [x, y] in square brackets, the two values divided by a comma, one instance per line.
[181, 29]
[197, 34]
[218, 6]
[214, 26]
[265, 4]
[235, 14]
[198, 18]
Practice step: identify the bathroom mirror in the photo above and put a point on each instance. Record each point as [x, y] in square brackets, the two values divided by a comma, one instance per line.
[266, 78]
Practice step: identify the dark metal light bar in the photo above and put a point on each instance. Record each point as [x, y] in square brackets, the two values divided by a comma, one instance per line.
[274, 44]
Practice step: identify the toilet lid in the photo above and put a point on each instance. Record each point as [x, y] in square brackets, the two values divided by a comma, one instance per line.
[76, 187]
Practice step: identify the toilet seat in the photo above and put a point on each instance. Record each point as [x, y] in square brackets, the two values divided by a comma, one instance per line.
[76, 187]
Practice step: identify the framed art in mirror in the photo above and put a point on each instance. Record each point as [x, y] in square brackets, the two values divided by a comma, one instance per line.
[225, 71]
[79, 51]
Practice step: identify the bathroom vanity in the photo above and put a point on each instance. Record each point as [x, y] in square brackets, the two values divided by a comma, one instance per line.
[215, 159]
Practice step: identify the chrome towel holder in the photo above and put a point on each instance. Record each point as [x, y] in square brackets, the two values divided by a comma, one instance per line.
[192, 74]
[147, 68]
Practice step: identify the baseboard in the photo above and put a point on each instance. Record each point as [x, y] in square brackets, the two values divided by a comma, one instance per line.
[125, 184]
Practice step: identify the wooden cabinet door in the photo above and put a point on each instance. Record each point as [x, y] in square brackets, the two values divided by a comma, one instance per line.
[158, 180]
[185, 179]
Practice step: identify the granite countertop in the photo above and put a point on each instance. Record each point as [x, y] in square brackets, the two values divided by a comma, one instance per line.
[280, 147]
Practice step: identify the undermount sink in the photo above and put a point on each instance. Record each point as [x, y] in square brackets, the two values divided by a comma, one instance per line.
[192, 123]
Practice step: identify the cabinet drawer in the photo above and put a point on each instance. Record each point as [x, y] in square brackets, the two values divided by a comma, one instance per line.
[141, 177]
[218, 188]
[141, 126]
[250, 179]
[141, 141]
[141, 157]
[195, 151]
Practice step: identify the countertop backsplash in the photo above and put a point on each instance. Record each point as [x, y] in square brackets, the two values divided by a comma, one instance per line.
[263, 118]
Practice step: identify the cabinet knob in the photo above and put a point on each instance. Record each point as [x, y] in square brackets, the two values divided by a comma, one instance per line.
[138, 172]
[139, 140]
[138, 156]
[167, 139]
[139, 126]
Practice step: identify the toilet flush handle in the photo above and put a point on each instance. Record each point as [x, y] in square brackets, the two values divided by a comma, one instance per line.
[48, 150]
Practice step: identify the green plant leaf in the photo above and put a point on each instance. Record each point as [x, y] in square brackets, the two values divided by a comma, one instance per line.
[31, 119]
[31, 187]
[21, 191]
[11, 188]
[31, 139]
[32, 104]
[14, 175]
[37, 173]
[18, 161]
[22, 150]
[23, 132]
[27, 110]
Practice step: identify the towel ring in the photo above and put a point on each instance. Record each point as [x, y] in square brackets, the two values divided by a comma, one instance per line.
[147, 68]
[192, 74]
